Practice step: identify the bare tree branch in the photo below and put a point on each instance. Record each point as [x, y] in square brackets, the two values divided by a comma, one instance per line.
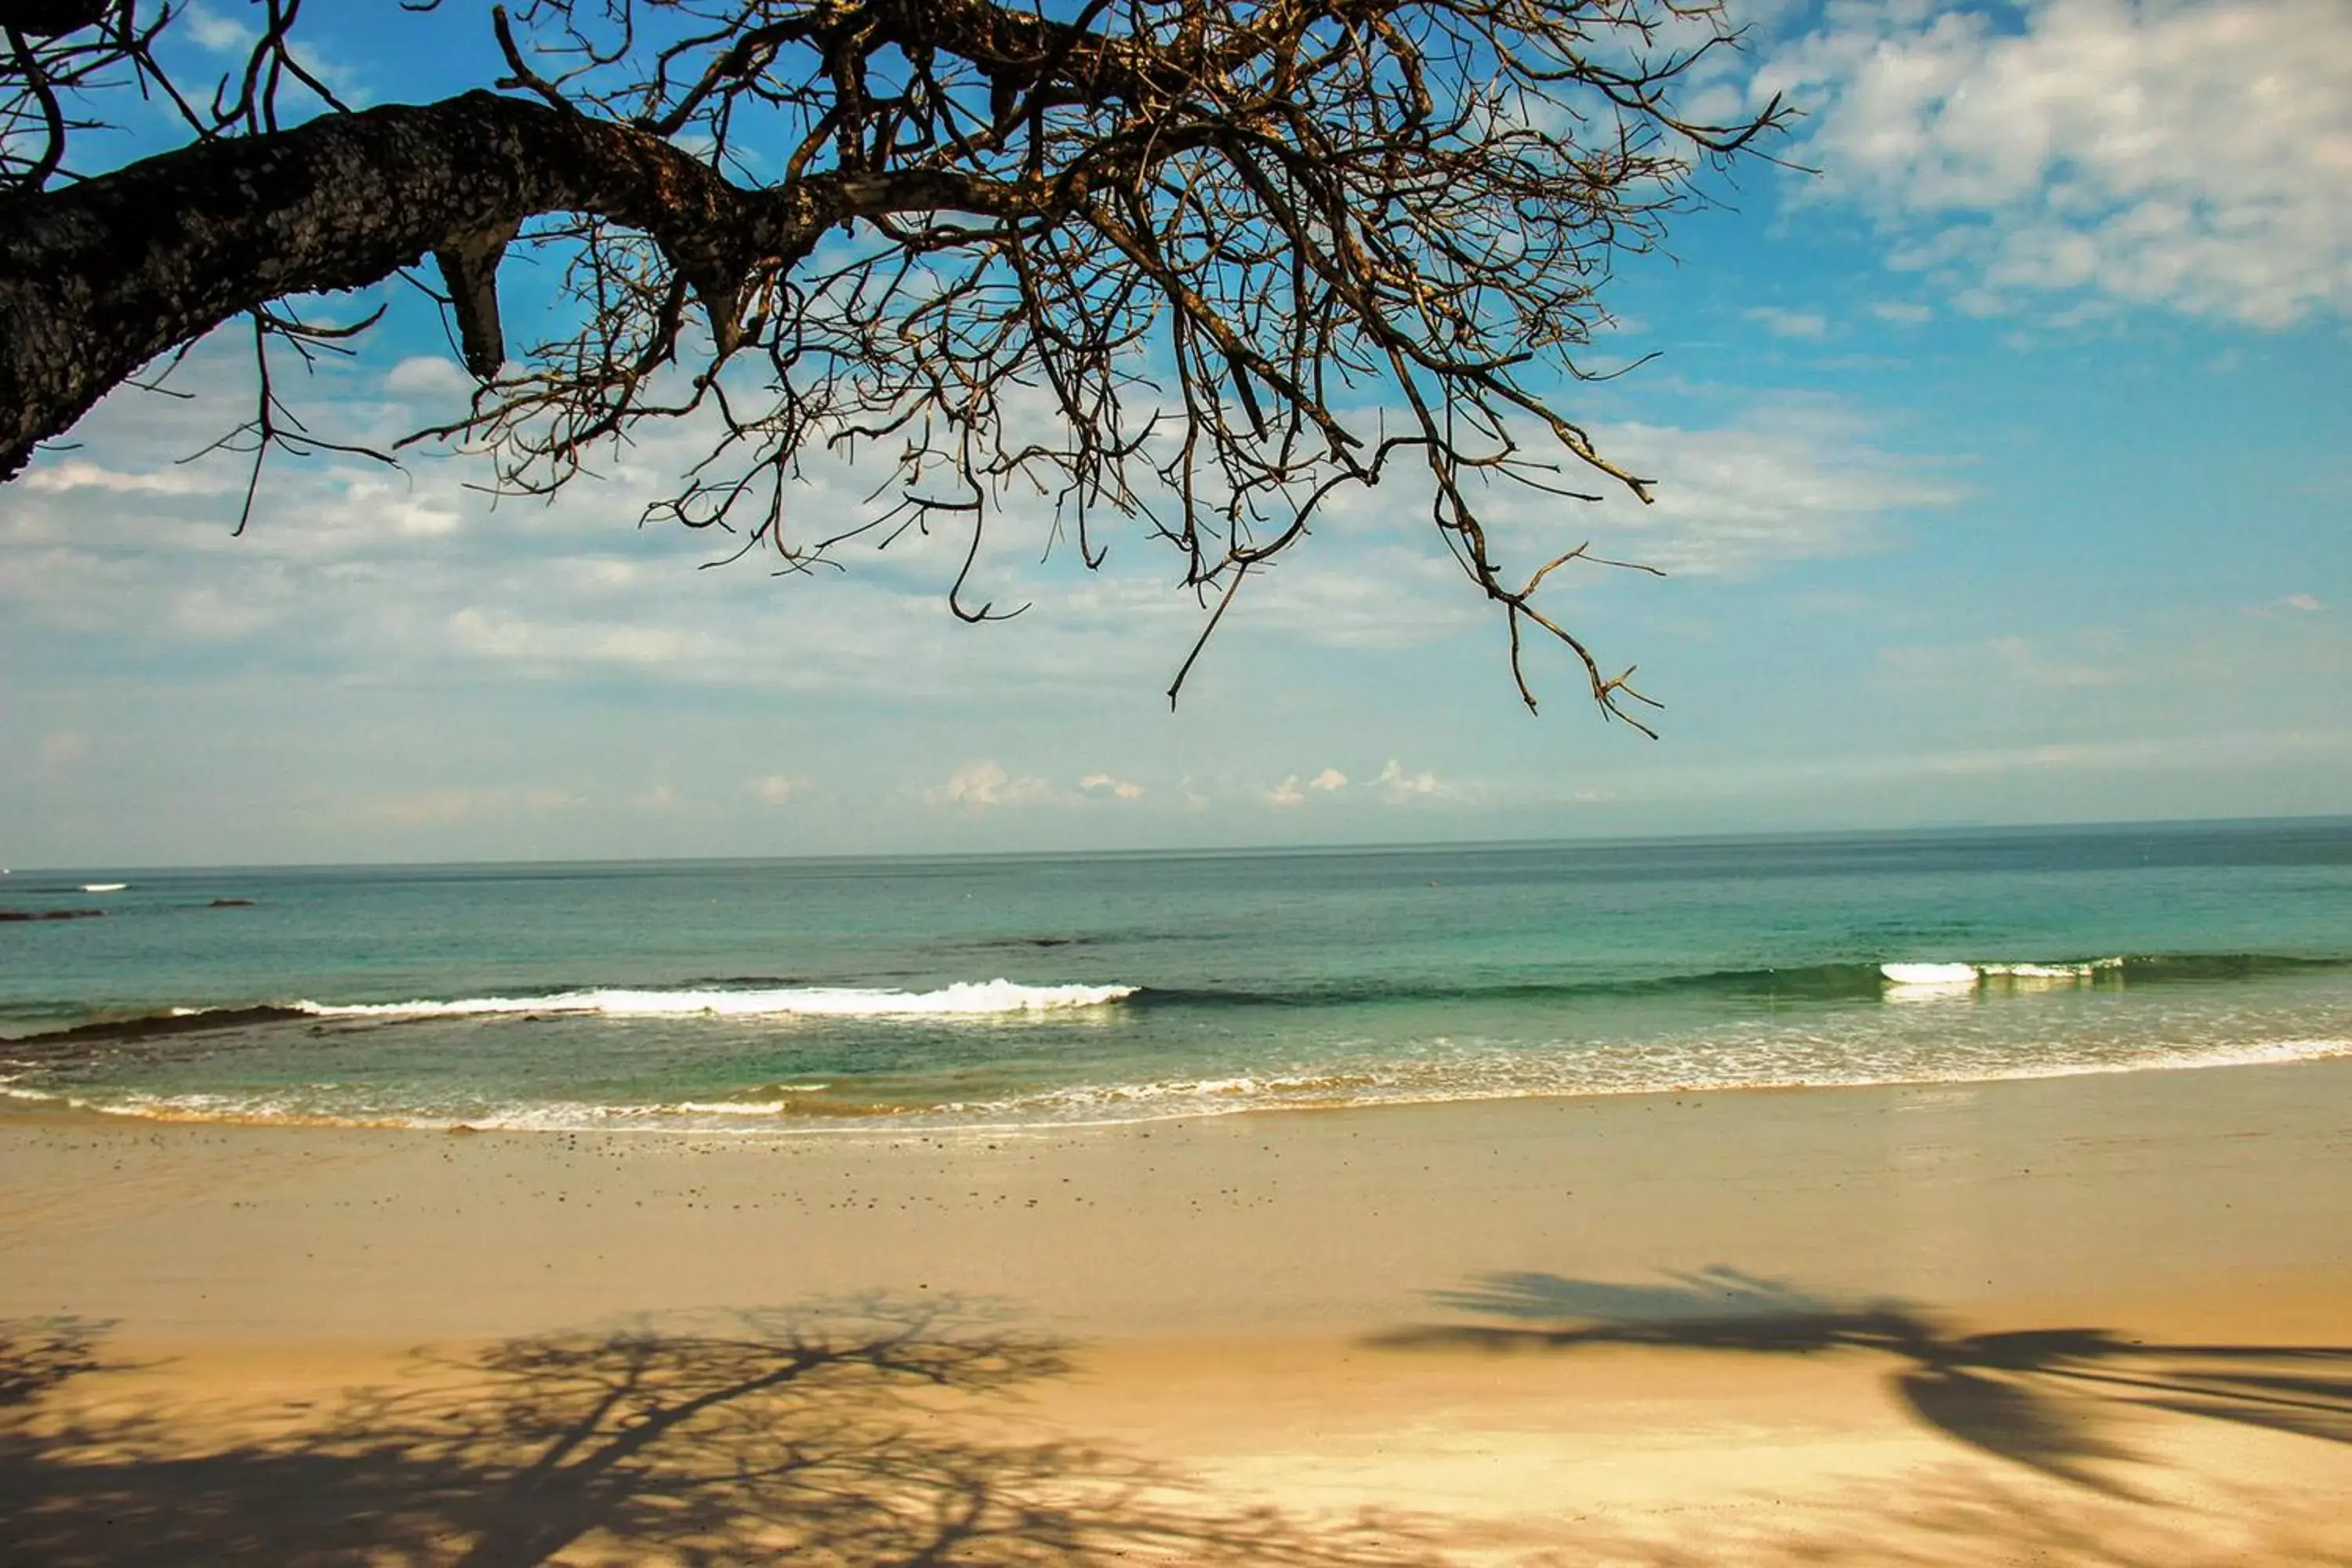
[1180, 260]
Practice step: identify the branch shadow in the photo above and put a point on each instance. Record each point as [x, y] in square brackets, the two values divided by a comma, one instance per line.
[2039, 1398]
[37, 1354]
[852, 1434]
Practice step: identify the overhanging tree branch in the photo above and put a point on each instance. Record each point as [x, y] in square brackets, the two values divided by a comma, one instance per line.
[1170, 258]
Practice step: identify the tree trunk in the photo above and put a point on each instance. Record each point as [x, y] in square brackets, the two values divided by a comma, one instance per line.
[97, 279]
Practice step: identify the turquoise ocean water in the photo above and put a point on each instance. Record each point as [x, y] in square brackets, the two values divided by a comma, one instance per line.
[824, 996]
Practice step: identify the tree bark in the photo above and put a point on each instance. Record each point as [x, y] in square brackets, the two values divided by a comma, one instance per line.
[97, 279]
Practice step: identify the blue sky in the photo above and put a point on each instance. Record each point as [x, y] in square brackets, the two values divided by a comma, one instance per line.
[2004, 463]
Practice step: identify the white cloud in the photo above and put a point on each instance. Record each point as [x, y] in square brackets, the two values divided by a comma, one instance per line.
[1372, 595]
[1398, 786]
[500, 635]
[2191, 155]
[1810, 325]
[355, 573]
[354, 569]
[209, 615]
[776, 789]
[1902, 312]
[80, 474]
[1293, 790]
[429, 375]
[60, 748]
[208, 30]
[431, 807]
[425, 806]
[402, 508]
[1117, 788]
[984, 786]
[1794, 479]
[1998, 664]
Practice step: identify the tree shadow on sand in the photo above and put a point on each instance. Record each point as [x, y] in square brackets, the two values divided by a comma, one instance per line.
[2041, 1397]
[39, 1353]
[855, 1436]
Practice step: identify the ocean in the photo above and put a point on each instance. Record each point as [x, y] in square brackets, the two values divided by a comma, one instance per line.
[883, 995]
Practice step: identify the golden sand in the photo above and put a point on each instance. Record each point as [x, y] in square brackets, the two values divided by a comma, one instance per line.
[2098, 1320]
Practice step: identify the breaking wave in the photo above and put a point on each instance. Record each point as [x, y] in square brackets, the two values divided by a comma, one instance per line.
[962, 999]
[1968, 976]
[758, 996]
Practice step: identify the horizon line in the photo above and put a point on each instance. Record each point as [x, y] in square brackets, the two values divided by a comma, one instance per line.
[1214, 851]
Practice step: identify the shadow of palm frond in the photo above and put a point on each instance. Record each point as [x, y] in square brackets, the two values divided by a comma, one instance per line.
[2038, 1398]
[852, 1434]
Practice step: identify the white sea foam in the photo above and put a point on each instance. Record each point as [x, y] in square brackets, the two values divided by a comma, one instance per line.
[225, 1107]
[1948, 977]
[104, 887]
[962, 999]
[1661, 1069]
[2263, 1052]
[748, 1106]
[1632, 1071]
[2049, 971]
[1940, 976]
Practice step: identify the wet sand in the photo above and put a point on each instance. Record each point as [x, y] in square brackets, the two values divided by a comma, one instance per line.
[2098, 1320]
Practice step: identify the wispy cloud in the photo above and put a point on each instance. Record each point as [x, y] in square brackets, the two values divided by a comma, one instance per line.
[1397, 787]
[62, 748]
[1999, 663]
[1808, 325]
[1297, 790]
[80, 474]
[774, 789]
[208, 30]
[986, 784]
[1793, 479]
[424, 808]
[1343, 592]
[428, 375]
[1115, 788]
[2185, 153]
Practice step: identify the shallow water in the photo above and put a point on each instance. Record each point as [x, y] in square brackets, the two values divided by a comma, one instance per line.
[812, 995]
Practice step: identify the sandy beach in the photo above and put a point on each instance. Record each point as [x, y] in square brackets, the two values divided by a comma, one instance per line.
[2094, 1319]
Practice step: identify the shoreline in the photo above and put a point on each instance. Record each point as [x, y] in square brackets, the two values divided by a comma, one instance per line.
[33, 1107]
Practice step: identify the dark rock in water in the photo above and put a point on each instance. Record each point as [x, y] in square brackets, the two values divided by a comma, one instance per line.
[50, 914]
[230, 904]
